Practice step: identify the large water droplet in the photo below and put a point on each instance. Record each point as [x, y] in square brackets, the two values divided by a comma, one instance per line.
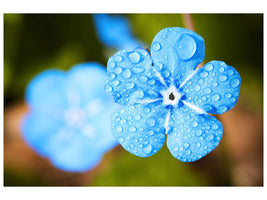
[194, 124]
[143, 79]
[156, 46]
[207, 90]
[198, 132]
[222, 109]
[221, 69]
[127, 73]
[186, 47]
[134, 57]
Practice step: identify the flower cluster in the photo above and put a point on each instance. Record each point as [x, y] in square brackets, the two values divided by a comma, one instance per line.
[69, 118]
[165, 95]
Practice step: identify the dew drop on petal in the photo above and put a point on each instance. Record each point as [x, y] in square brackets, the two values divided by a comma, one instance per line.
[119, 129]
[118, 58]
[129, 85]
[203, 74]
[210, 137]
[132, 129]
[215, 97]
[127, 73]
[235, 83]
[151, 122]
[207, 90]
[147, 149]
[117, 70]
[134, 57]
[108, 88]
[222, 78]
[121, 139]
[156, 46]
[209, 67]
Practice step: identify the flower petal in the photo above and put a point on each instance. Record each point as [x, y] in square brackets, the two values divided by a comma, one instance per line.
[191, 135]
[115, 31]
[37, 130]
[140, 128]
[131, 77]
[47, 92]
[214, 88]
[176, 52]
[74, 154]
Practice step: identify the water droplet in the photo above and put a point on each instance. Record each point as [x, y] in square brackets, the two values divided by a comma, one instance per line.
[122, 111]
[228, 95]
[221, 69]
[151, 122]
[207, 90]
[118, 58]
[111, 64]
[186, 47]
[123, 121]
[214, 126]
[200, 81]
[210, 137]
[198, 145]
[197, 87]
[116, 82]
[147, 149]
[188, 152]
[222, 78]
[166, 73]
[203, 74]
[132, 129]
[230, 72]
[222, 109]
[186, 145]
[137, 117]
[181, 149]
[175, 149]
[150, 133]
[209, 67]
[215, 97]
[134, 57]
[194, 124]
[121, 139]
[139, 94]
[156, 46]
[235, 83]
[233, 100]
[129, 85]
[119, 129]
[143, 79]
[117, 70]
[127, 73]
[151, 82]
[112, 76]
[214, 84]
[159, 66]
[137, 70]
[108, 88]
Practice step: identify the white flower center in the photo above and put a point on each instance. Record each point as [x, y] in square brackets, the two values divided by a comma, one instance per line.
[171, 96]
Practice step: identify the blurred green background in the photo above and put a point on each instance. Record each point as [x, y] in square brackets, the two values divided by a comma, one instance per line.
[35, 42]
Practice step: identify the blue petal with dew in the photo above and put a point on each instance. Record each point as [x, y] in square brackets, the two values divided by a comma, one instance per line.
[192, 135]
[114, 31]
[140, 128]
[214, 88]
[131, 77]
[176, 52]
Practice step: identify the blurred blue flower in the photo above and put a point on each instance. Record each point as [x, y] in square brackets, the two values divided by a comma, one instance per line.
[69, 118]
[166, 95]
[115, 31]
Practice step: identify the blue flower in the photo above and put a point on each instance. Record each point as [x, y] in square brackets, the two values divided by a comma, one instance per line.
[165, 95]
[115, 31]
[69, 118]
